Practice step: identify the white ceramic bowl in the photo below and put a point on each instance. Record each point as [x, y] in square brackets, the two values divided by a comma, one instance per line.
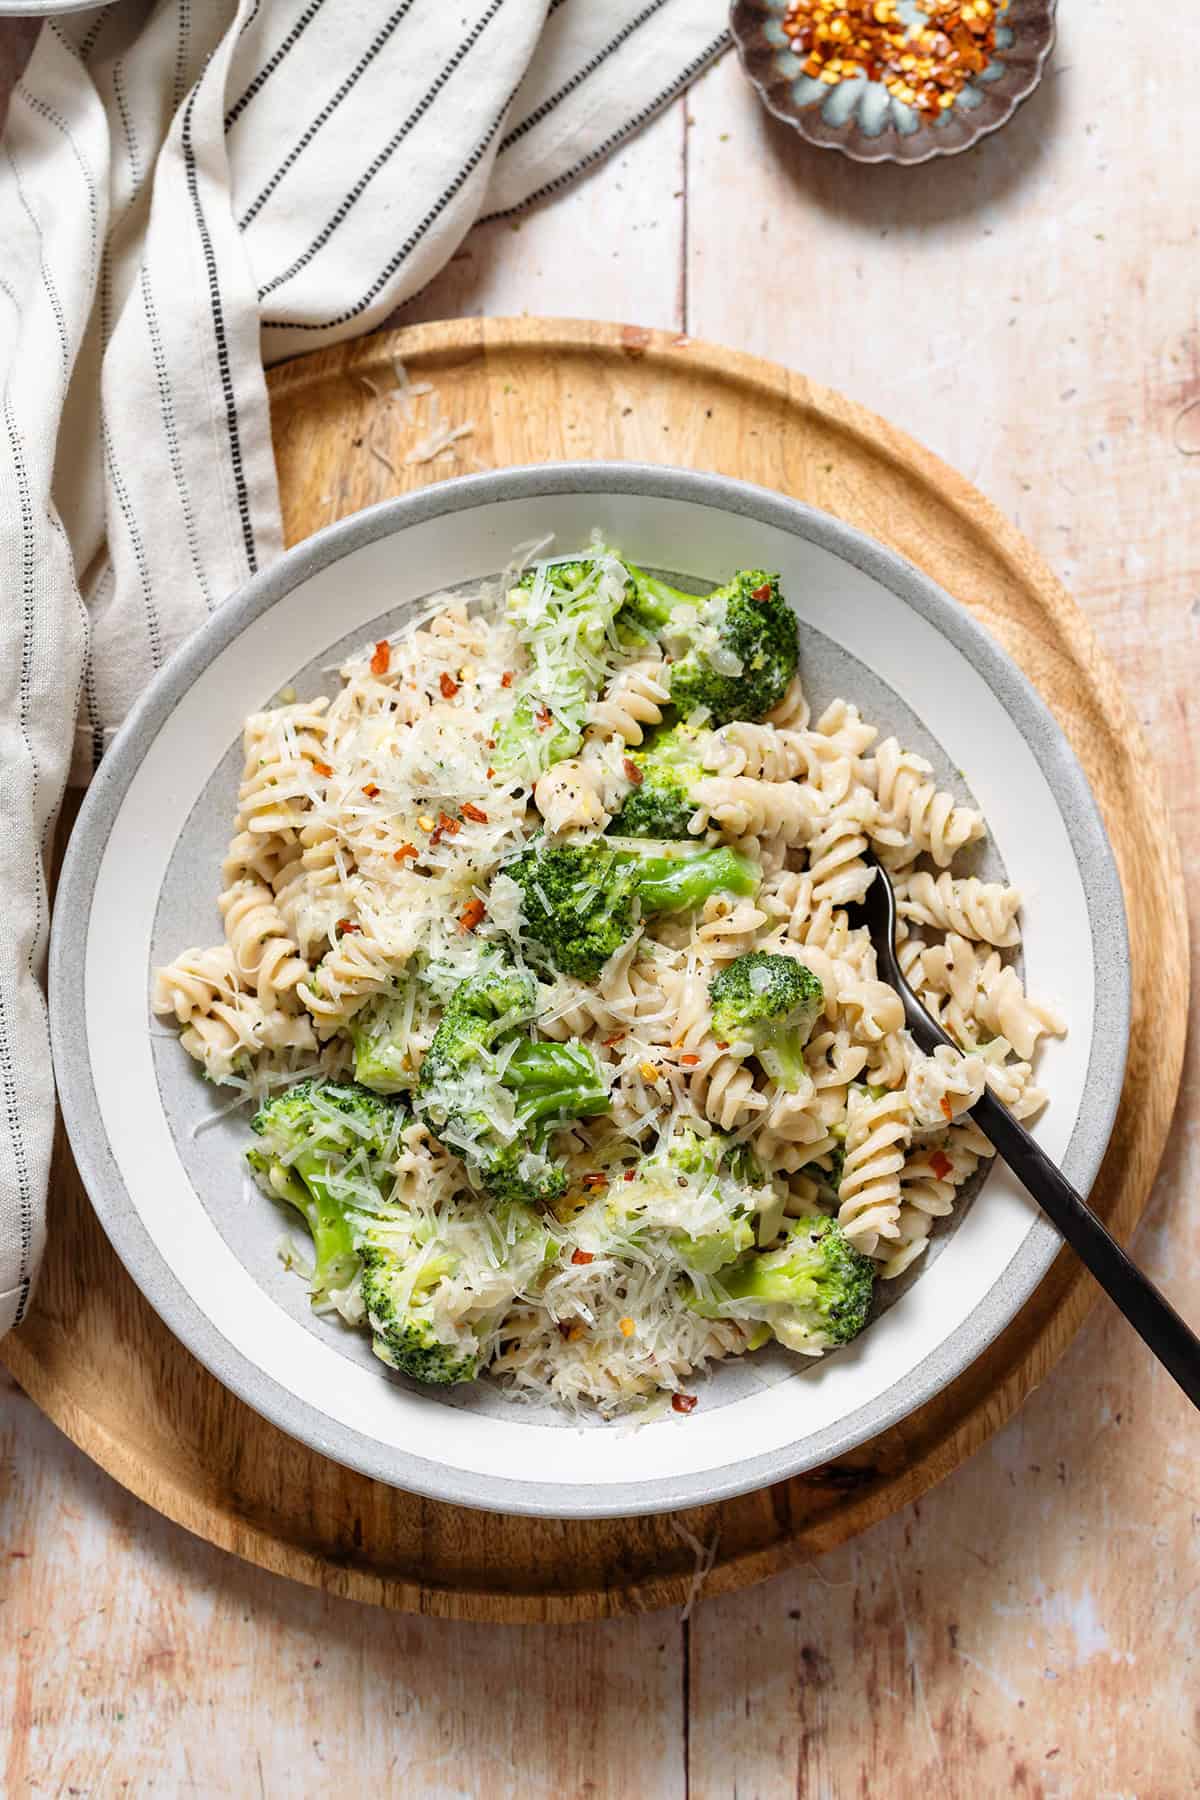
[140, 881]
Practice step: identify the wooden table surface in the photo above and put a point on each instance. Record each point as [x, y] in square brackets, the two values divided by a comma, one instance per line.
[1032, 1626]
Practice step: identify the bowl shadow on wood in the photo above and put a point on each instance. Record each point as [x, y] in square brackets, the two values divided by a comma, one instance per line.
[920, 197]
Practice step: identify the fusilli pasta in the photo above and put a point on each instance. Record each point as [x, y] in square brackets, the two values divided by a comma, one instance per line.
[379, 868]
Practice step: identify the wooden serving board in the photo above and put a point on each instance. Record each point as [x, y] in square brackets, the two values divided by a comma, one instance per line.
[96, 1358]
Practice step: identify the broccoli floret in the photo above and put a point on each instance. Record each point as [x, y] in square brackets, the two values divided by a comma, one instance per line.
[325, 1150]
[660, 806]
[813, 1292]
[738, 654]
[578, 899]
[687, 1179]
[577, 902]
[434, 1308]
[771, 1002]
[402, 1320]
[735, 650]
[380, 1035]
[565, 616]
[498, 1107]
[649, 606]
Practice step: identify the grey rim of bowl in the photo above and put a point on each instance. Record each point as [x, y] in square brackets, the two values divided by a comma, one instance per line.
[849, 140]
[102, 1177]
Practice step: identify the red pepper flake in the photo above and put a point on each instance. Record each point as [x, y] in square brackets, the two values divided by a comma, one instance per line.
[544, 716]
[491, 772]
[941, 1165]
[632, 772]
[683, 1403]
[581, 1257]
[475, 813]
[381, 662]
[596, 1180]
[628, 1175]
[761, 593]
[322, 768]
[689, 1061]
[926, 65]
[471, 914]
[506, 680]
[370, 790]
[448, 685]
[489, 744]
[405, 850]
[947, 1109]
[446, 823]
[721, 1044]
[347, 927]
[618, 1038]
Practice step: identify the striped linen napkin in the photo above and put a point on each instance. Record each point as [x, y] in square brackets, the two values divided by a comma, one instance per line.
[190, 189]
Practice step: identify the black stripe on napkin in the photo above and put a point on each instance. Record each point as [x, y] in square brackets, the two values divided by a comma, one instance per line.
[8, 1077]
[272, 63]
[411, 241]
[580, 76]
[162, 377]
[218, 318]
[327, 111]
[627, 130]
[56, 119]
[415, 116]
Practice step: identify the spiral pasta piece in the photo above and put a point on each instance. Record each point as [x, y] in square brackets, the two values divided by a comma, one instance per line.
[846, 729]
[263, 953]
[984, 910]
[569, 796]
[224, 1022]
[722, 1089]
[282, 748]
[915, 815]
[942, 1085]
[351, 971]
[836, 851]
[877, 1139]
[767, 751]
[793, 710]
[727, 928]
[987, 995]
[573, 1009]
[745, 807]
[632, 703]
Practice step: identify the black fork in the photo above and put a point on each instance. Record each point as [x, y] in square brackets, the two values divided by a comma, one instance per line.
[1153, 1318]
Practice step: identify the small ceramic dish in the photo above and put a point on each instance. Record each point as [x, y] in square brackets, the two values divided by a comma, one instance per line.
[161, 1153]
[866, 123]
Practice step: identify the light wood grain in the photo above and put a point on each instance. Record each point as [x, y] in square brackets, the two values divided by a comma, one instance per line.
[539, 390]
[1063, 1553]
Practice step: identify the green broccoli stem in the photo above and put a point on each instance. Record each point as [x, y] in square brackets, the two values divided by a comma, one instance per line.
[305, 1186]
[681, 884]
[654, 601]
[783, 1059]
[555, 1082]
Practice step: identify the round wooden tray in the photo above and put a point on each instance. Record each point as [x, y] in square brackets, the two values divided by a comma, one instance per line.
[96, 1358]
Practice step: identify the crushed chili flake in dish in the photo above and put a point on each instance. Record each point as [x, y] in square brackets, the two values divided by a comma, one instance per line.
[382, 660]
[471, 914]
[683, 1403]
[926, 63]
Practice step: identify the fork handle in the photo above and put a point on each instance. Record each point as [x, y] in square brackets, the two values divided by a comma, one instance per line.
[1152, 1317]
